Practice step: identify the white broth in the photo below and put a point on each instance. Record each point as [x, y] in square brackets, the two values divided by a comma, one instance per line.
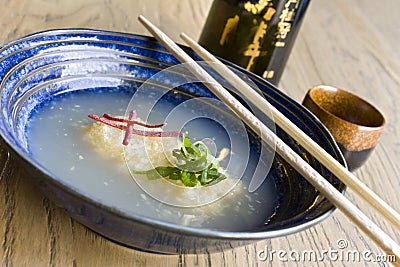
[56, 138]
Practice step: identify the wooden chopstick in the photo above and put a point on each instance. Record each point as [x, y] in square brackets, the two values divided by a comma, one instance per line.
[303, 139]
[321, 184]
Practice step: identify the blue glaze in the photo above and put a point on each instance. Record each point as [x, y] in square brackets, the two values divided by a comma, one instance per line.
[37, 67]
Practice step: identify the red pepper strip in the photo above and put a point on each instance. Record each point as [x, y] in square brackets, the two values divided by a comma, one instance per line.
[129, 127]
[107, 122]
[136, 122]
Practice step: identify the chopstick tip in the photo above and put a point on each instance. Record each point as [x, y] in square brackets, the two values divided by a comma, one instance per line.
[186, 39]
[143, 20]
[146, 23]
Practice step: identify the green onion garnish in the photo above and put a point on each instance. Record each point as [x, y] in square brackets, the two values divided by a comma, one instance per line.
[194, 165]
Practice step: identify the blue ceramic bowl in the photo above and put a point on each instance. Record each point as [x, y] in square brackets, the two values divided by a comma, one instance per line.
[31, 73]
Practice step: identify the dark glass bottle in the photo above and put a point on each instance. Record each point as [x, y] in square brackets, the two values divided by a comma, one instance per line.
[257, 35]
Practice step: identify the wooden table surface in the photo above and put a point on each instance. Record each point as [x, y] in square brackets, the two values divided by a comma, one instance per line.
[349, 44]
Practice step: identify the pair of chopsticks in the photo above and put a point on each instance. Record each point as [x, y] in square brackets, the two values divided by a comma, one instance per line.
[322, 185]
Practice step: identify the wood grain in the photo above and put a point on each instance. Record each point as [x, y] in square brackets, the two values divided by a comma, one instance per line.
[349, 44]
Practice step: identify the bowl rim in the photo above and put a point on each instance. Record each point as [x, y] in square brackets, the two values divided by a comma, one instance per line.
[162, 225]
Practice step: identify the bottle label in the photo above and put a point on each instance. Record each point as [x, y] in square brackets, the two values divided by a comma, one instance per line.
[256, 35]
[285, 21]
[254, 49]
